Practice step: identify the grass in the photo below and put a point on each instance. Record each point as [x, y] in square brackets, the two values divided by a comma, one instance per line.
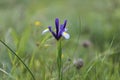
[88, 22]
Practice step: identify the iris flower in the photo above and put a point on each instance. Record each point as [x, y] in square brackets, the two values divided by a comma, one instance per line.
[60, 30]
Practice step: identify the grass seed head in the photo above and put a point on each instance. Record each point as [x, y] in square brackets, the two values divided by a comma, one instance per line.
[78, 63]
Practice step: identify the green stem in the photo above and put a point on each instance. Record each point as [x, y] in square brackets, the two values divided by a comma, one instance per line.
[59, 60]
[18, 58]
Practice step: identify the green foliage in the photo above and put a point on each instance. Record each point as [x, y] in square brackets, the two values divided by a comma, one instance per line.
[96, 21]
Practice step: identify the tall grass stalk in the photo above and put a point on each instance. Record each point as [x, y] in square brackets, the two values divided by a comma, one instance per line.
[18, 58]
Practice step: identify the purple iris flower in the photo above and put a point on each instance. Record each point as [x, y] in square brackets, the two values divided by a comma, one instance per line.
[60, 30]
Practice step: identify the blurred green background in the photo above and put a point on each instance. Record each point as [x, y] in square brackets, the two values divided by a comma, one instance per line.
[95, 23]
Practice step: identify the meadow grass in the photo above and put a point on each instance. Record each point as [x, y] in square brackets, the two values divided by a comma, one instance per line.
[92, 25]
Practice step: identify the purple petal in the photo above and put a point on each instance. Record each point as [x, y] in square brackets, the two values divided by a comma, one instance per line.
[61, 26]
[49, 27]
[62, 29]
[57, 25]
[65, 22]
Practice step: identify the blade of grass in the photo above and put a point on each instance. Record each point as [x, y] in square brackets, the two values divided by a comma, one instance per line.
[18, 58]
[6, 73]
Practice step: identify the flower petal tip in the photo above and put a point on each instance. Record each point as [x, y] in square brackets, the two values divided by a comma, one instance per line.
[46, 30]
[65, 35]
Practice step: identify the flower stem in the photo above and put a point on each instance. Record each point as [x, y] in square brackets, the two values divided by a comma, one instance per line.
[59, 60]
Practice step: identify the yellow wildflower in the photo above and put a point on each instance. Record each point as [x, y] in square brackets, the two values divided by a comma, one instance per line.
[37, 23]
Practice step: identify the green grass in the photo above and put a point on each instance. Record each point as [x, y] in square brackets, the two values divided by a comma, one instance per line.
[96, 21]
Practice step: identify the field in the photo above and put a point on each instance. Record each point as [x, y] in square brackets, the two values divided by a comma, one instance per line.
[91, 53]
